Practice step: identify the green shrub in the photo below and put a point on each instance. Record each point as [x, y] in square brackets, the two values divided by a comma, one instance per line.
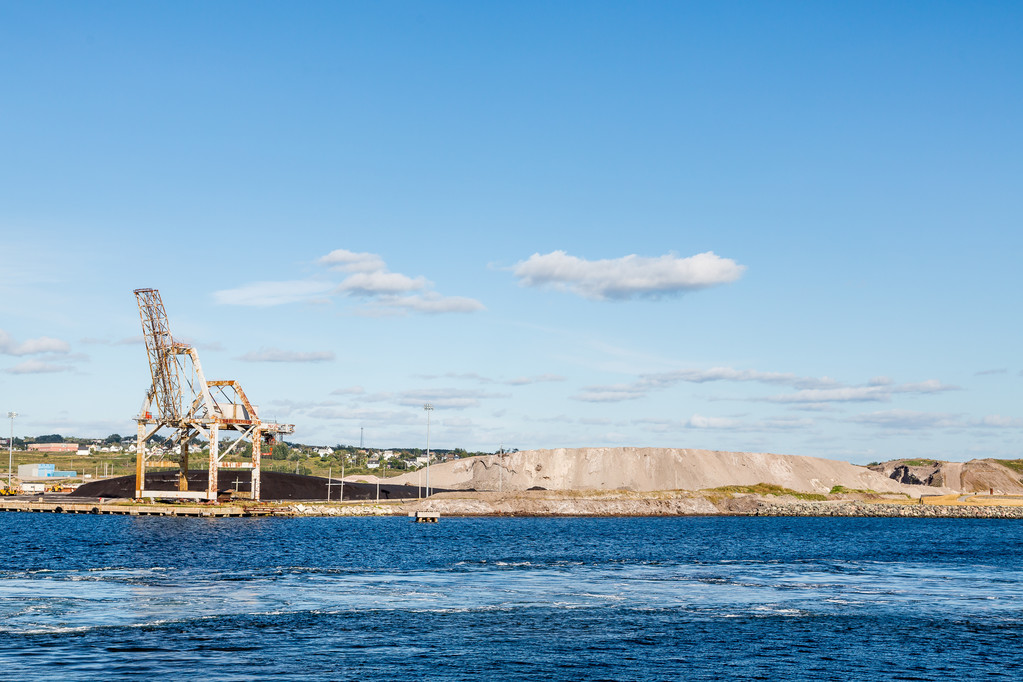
[769, 489]
[1014, 464]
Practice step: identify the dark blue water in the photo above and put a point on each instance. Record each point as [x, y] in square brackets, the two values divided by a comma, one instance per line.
[104, 597]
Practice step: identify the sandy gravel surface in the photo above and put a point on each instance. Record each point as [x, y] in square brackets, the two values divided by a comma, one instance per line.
[649, 469]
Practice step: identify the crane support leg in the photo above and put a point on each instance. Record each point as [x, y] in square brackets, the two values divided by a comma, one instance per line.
[211, 489]
[183, 467]
[140, 462]
[257, 446]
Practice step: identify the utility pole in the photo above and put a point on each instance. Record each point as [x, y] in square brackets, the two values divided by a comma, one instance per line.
[429, 408]
[10, 451]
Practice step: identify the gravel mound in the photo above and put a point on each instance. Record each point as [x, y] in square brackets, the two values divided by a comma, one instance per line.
[652, 469]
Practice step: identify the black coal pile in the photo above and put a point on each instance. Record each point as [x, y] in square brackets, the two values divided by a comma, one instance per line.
[273, 486]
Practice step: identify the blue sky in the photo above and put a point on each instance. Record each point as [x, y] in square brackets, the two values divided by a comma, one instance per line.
[783, 227]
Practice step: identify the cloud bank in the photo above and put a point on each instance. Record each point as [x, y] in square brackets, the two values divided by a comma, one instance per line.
[627, 277]
[367, 280]
[35, 366]
[810, 391]
[44, 344]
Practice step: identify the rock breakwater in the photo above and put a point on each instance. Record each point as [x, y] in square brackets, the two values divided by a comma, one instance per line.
[890, 510]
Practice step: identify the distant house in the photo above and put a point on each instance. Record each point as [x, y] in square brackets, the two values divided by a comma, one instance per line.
[53, 447]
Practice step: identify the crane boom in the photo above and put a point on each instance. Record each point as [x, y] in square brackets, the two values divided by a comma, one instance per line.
[159, 344]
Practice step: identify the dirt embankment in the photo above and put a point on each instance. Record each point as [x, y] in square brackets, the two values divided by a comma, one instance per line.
[1003, 477]
[652, 469]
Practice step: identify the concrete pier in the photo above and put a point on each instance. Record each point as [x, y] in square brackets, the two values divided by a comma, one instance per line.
[425, 517]
[119, 507]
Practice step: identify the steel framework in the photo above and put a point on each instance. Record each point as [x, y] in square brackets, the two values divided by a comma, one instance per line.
[202, 408]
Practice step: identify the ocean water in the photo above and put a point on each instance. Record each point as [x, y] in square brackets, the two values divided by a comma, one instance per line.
[695, 598]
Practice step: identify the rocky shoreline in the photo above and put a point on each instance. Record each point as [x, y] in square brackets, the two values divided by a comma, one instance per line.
[566, 509]
[682, 503]
[565, 504]
[931, 511]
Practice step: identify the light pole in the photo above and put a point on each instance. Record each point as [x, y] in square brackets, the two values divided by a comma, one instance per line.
[10, 451]
[429, 408]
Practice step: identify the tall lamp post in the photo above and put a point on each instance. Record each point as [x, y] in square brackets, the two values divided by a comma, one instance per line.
[429, 408]
[10, 451]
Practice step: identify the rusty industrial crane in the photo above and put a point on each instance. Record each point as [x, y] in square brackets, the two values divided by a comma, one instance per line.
[182, 400]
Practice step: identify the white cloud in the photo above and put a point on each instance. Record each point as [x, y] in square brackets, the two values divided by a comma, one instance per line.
[265, 294]
[815, 393]
[870, 393]
[277, 355]
[663, 380]
[907, 419]
[430, 302]
[929, 386]
[37, 367]
[380, 283]
[840, 395]
[700, 376]
[628, 277]
[349, 261]
[541, 378]
[997, 421]
[384, 292]
[468, 376]
[735, 424]
[43, 344]
[609, 394]
[700, 422]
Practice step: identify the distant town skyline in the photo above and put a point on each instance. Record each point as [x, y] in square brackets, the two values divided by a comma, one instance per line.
[760, 226]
